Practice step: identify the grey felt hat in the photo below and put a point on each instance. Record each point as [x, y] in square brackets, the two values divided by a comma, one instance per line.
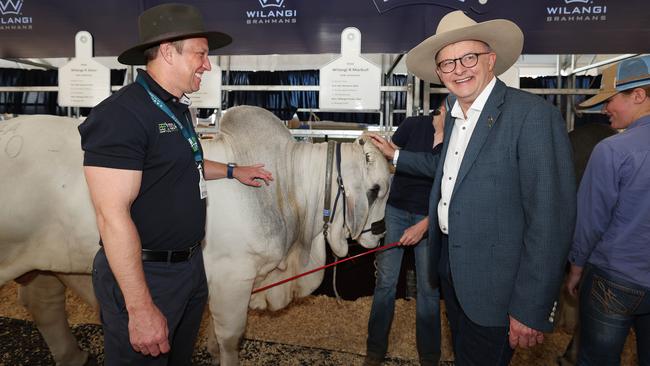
[170, 22]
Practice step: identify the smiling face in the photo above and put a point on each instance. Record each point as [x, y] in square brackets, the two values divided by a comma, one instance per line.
[626, 107]
[617, 108]
[466, 83]
[189, 65]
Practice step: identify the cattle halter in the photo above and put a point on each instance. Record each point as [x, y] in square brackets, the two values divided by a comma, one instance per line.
[377, 227]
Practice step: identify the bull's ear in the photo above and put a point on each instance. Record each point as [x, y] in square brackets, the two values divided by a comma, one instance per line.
[363, 139]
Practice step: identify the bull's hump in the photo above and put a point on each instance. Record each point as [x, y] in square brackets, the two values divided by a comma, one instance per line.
[254, 125]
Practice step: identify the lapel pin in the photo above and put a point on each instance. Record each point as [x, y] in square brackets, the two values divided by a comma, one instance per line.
[490, 121]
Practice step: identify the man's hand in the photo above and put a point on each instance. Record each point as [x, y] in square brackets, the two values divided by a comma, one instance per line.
[148, 331]
[522, 336]
[386, 147]
[414, 234]
[250, 174]
[573, 280]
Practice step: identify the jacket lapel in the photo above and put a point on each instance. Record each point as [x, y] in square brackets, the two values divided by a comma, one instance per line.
[486, 121]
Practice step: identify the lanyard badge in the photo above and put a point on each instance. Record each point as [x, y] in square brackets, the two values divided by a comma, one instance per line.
[203, 188]
[187, 132]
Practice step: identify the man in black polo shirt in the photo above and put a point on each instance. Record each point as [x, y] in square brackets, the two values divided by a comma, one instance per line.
[145, 170]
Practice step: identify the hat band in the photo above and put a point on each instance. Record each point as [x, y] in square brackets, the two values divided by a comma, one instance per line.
[633, 83]
[172, 35]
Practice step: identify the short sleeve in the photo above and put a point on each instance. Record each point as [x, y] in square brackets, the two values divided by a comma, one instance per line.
[113, 138]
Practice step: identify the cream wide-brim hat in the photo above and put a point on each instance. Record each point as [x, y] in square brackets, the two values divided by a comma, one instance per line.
[504, 37]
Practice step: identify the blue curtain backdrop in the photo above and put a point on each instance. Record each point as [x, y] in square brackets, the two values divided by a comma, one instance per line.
[28, 102]
[282, 103]
[33, 102]
[582, 82]
[285, 103]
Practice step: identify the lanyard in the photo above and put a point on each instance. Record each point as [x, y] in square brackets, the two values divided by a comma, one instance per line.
[188, 133]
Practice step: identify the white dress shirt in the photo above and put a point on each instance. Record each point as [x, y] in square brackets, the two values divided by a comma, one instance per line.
[458, 141]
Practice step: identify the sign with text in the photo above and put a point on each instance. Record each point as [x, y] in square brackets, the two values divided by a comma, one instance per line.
[209, 96]
[40, 28]
[83, 82]
[350, 81]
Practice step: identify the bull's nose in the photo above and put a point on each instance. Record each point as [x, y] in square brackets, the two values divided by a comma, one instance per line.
[378, 227]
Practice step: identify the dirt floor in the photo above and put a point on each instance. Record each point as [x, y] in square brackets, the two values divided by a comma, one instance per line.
[324, 323]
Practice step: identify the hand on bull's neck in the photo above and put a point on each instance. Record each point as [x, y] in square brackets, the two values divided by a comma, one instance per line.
[385, 146]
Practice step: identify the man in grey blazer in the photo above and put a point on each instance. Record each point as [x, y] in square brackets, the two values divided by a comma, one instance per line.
[502, 205]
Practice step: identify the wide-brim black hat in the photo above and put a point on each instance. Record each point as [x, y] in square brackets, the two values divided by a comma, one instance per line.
[166, 23]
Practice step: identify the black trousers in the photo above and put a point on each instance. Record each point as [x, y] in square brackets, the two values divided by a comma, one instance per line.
[179, 290]
[474, 345]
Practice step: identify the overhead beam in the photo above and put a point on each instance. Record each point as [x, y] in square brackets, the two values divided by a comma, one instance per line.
[604, 62]
[31, 63]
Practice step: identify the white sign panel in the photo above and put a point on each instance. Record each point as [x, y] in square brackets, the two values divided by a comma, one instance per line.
[83, 82]
[350, 81]
[209, 96]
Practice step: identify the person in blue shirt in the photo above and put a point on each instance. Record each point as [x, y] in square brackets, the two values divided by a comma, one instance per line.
[407, 223]
[610, 255]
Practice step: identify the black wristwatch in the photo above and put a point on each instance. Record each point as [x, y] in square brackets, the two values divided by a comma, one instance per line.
[229, 170]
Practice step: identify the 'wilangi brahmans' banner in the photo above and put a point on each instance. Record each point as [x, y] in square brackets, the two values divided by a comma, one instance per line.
[46, 28]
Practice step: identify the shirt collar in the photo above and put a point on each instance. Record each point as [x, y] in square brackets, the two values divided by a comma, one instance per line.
[479, 102]
[640, 122]
[163, 94]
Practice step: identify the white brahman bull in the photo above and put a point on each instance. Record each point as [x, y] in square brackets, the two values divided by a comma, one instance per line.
[254, 236]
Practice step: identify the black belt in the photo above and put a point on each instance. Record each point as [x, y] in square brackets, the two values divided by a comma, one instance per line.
[170, 256]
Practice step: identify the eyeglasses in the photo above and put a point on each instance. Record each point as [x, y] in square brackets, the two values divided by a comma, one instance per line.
[467, 60]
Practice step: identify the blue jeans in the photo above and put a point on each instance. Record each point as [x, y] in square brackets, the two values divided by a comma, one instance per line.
[609, 306]
[427, 328]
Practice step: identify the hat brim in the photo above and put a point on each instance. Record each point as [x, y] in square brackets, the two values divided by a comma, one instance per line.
[597, 99]
[504, 37]
[135, 55]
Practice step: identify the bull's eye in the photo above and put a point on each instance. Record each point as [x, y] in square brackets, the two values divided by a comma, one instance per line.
[368, 158]
[372, 194]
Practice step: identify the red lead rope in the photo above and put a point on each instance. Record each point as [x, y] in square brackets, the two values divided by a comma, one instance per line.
[326, 266]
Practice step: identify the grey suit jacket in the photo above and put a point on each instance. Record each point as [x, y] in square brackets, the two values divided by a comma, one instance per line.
[512, 211]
